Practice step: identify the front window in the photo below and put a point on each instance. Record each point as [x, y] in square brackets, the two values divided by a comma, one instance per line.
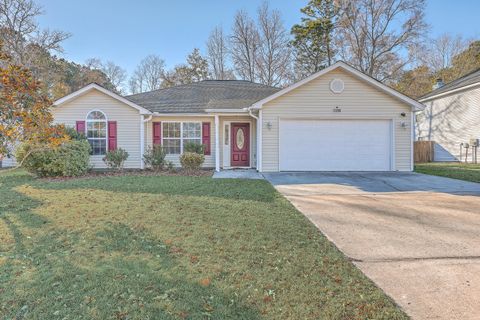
[176, 134]
[97, 132]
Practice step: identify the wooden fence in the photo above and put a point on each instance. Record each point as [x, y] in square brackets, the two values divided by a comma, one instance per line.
[423, 151]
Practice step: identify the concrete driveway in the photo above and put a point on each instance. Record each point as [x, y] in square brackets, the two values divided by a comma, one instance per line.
[416, 236]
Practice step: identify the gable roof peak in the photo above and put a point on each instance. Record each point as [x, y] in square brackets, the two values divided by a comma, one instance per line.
[415, 105]
[96, 86]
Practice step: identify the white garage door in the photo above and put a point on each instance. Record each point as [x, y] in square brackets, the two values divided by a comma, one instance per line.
[335, 145]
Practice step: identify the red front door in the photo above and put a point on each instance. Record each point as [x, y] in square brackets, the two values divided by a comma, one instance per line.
[240, 145]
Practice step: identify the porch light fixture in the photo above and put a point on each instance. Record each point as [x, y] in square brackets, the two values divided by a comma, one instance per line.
[269, 125]
[403, 124]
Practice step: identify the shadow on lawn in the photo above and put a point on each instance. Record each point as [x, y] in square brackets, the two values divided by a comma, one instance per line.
[116, 273]
[234, 189]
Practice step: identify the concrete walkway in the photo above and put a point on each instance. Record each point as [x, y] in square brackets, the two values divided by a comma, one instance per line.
[416, 236]
[238, 174]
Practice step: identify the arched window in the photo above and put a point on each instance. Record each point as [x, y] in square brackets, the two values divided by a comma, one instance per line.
[97, 132]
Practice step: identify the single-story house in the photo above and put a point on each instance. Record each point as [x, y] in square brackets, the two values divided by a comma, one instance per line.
[451, 116]
[338, 119]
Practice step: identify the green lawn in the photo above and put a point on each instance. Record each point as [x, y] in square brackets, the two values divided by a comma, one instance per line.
[170, 248]
[462, 171]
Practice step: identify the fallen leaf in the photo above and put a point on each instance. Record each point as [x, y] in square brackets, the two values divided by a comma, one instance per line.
[205, 282]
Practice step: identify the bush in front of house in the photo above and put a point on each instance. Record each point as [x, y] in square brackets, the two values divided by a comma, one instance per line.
[193, 147]
[115, 159]
[70, 159]
[74, 134]
[155, 157]
[191, 160]
[170, 166]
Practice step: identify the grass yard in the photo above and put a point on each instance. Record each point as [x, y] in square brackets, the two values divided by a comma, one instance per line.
[462, 171]
[152, 247]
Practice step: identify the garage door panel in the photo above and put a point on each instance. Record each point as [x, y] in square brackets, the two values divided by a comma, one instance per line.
[335, 145]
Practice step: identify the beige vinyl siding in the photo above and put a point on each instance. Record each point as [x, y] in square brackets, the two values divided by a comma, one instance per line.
[451, 120]
[127, 118]
[209, 159]
[314, 100]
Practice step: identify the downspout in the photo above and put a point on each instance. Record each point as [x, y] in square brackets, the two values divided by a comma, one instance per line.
[413, 137]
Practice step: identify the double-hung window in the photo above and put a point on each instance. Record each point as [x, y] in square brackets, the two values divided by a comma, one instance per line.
[176, 134]
[97, 132]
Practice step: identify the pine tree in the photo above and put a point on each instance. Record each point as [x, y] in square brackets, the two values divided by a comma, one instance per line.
[313, 38]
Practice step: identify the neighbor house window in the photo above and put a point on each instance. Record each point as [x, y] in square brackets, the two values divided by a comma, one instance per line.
[176, 134]
[97, 132]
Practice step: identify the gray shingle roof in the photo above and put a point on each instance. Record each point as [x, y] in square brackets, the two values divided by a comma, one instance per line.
[207, 94]
[466, 80]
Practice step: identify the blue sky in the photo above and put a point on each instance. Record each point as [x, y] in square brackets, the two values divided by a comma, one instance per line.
[125, 31]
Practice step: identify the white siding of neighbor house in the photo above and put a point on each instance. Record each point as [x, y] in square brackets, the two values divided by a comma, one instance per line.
[127, 118]
[314, 100]
[450, 120]
[8, 162]
[209, 159]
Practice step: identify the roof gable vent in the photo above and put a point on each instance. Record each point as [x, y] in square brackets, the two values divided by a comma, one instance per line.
[337, 86]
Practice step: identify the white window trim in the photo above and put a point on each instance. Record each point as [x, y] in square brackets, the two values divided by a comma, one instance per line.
[181, 138]
[106, 130]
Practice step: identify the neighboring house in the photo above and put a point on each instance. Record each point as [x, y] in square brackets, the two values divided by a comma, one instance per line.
[338, 119]
[451, 116]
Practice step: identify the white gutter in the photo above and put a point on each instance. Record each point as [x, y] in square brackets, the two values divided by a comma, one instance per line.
[157, 114]
[250, 113]
[226, 110]
[450, 92]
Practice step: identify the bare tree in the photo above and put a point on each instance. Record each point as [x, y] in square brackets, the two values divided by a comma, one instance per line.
[376, 36]
[21, 34]
[440, 51]
[244, 46]
[116, 74]
[148, 75]
[217, 48]
[94, 63]
[274, 53]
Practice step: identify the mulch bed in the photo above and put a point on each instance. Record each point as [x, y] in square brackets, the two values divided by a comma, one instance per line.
[136, 172]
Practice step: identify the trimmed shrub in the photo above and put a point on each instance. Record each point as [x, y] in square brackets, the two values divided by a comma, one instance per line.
[71, 159]
[155, 157]
[193, 147]
[115, 159]
[191, 160]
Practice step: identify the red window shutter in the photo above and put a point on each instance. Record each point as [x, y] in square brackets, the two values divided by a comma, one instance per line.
[80, 127]
[157, 133]
[112, 135]
[206, 138]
